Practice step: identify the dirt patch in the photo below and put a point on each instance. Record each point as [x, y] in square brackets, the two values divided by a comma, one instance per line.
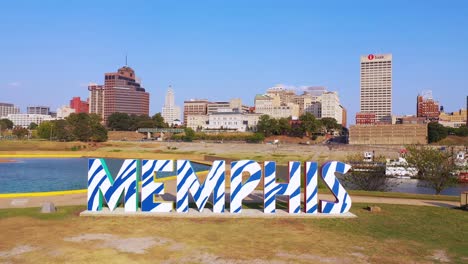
[309, 258]
[441, 256]
[203, 257]
[16, 251]
[137, 245]
[125, 135]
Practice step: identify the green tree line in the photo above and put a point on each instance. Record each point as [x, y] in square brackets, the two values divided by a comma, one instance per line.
[437, 132]
[126, 122]
[307, 125]
[81, 127]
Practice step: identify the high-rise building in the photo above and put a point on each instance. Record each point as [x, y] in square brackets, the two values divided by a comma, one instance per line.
[344, 117]
[121, 92]
[195, 107]
[170, 112]
[38, 110]
[376, 86]
[6, 109]
[331, 106]
[78, 105]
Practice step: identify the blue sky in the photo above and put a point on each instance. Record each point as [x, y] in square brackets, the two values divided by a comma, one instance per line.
[51, 50]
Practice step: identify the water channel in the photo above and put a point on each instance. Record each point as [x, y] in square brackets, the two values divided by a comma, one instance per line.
[43, 175]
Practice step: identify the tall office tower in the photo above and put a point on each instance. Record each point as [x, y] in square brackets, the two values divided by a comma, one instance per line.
[6, 109]
[79, 106]
[195, 107]
[170, 112]
[376, 86]
[121, 93]
[38, 110]
[427, 107]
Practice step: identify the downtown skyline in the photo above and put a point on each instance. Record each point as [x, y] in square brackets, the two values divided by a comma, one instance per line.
[222, 51]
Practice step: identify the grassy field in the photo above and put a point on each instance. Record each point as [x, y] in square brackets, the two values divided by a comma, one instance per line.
[398, 234]
[453, 141]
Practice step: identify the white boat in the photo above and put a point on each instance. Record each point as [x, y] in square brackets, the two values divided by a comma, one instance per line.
[399, 169]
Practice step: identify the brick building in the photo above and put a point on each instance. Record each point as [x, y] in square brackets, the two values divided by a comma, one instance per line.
[79, 106]
[427, 107]
[121, 93]
[365, 119]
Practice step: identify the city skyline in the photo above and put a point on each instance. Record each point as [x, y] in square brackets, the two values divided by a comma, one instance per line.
[221, 51]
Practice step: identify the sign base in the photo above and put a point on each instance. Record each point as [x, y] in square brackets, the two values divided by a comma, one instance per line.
[208, 213]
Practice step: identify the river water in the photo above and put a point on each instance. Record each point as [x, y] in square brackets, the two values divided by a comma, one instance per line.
[44, 175]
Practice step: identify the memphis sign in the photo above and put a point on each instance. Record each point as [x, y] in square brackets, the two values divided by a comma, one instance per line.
[102, 186]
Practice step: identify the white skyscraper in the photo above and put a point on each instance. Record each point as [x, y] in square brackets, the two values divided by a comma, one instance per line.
[376, 86]
[170, 112]
[331, 106]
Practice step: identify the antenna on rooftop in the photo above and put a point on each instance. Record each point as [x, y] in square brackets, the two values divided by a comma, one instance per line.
[126, 59]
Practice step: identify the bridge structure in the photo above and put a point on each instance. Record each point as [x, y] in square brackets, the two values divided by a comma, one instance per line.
[162, 131]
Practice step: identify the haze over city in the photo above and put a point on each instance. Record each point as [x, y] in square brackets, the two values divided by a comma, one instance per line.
[53, 50]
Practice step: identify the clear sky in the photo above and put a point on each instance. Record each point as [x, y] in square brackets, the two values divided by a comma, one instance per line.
[51, 50]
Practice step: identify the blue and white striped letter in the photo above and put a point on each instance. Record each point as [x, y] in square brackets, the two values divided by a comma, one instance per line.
[100, 182]
[292, 189]
[311, 188]
[238, 190]
[150, 188]
[187, 182]
[343, 201]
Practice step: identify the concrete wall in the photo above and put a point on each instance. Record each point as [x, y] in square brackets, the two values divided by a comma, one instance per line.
[400, 134]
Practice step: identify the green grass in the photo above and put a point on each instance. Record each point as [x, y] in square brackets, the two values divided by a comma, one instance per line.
[398, 231]
[433, 226]
[115, 150]
[35, 212]
[405, 195]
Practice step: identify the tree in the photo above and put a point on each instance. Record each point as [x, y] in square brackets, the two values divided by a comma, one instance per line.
[189, 134]
[159, 121]
[44, 129]
[284, 127]
[330, 124]
[462, 131]
[32, 126]
[140, 121]
[435, 167]
[84, 127]
[99, 133]
[256, 138]
[267, 125]
[20, 132]
[436, 132]
[119, 121]
[309, 123]
[6, 124]
[62, 131]
[367, 176]
[80, 126]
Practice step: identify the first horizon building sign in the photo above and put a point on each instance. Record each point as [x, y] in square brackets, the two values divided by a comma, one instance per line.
[102, 186]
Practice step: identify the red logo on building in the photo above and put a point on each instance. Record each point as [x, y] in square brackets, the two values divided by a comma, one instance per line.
[371, 56]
